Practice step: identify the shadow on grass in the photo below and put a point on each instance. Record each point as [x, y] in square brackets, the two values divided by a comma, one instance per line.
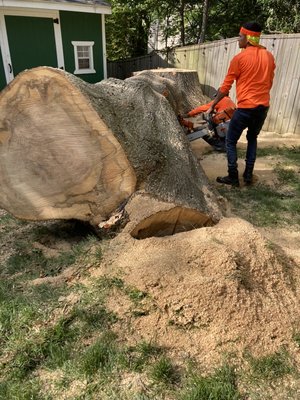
[64, 241]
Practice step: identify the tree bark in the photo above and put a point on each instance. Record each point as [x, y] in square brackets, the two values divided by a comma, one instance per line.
[69, 149]
[181, 87]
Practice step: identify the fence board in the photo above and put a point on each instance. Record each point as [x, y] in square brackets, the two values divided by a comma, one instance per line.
[211, 61]
[291, 87]
[295, 109]
[277, 87]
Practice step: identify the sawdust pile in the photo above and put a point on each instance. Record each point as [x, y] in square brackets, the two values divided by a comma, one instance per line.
[211, 290]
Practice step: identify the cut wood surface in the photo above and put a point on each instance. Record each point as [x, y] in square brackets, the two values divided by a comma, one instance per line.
[69, 149]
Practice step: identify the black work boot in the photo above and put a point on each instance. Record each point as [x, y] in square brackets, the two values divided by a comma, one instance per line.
[231, 179]
[248, 174]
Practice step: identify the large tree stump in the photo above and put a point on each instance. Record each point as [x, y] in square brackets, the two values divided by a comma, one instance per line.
[69, 149]
[180, 86]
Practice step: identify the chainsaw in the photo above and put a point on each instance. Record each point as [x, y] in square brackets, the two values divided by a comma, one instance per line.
[214, 125]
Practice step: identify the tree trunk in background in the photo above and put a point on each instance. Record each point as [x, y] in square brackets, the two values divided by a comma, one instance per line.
[69, 149]
[182, 24]
[204, 21]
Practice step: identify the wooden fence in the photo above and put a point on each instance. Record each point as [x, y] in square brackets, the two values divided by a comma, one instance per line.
[211, 61]
[123, 69]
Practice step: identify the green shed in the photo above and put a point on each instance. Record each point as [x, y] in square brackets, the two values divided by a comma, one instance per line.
[66, 34]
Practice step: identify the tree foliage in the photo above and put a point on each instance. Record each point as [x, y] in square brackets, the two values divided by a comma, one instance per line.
[128, 28]
[190, 21]
[281, 16]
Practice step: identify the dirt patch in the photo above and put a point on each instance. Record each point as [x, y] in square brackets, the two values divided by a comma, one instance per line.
[215, 164]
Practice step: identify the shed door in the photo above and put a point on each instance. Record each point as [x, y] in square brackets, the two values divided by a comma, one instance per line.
[31, 42]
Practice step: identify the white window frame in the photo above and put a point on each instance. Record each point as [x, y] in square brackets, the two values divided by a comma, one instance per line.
[90, 70]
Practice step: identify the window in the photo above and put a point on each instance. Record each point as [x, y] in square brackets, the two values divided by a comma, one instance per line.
[84, 60]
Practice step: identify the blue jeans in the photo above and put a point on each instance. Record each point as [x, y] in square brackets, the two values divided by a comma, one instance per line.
[251, 118]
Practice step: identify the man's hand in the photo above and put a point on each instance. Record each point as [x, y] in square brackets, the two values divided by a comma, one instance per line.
[218, 97]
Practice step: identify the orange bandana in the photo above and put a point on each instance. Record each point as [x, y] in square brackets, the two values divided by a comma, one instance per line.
[250, 33]
[252, 37]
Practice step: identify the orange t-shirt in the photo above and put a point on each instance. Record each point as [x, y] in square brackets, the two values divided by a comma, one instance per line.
[224, 103]
[253, 71]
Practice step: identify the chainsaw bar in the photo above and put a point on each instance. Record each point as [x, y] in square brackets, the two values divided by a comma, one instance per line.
[197, 134]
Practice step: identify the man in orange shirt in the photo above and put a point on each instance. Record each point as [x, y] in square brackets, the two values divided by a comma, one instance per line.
[253, 71]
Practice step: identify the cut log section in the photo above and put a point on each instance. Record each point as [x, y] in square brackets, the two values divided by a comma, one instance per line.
[58, 158]
[69, 149]
[169, 222]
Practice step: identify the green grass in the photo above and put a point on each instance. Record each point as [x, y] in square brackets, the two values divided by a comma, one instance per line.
[108, 282]
[26, 391]
[35, 264]
[163, 371]
[83, 247]
[136, 295]
[101, 356]
[7, 221]
[45, 294]
[38, 330]
[296, 338]
[221, 385]
[96, 316]
[33, 342]
[272, 366]
[263, 206]
[50, 347]
[286, 175]
[291, 154]
[28, 259]
[21, 308]
[141, 355]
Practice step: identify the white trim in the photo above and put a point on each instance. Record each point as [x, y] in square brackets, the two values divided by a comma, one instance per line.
[29, 13]
[88, 8]
[104, 47]
[59, 43]
[90, 70]
[7, 64]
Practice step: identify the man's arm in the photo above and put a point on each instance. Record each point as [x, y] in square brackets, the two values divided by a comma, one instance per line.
[218, 97]
[199, 110]
[232, 74]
